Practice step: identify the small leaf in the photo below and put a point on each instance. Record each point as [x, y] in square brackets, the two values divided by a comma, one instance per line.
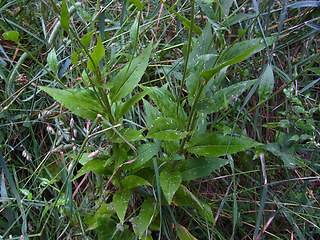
[97, 165]
[74, 58]
[79, 101]
[148, 212]
[64, 16]
[170, 183]
[184, 234]
[96, 56]
[146, 152]
[123, 108]
[201, 167]
[152, 113]
[168, 129]
[86, 39]
[120, 203]
[128, 77]
[134, 33]
[216, 144]
[11, 36]
[266, 84]
[53, 61]
[133, 181]
[129, 134]
[137, 3]
[241, 55]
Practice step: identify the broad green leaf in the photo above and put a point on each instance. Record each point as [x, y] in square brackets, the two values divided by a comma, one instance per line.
[167, 103]
[129, 134]
[98, 166]
[128, 77]
[168, 129]
[79, 101]
[206, 212]
[184, 234]
[137, 3]
[170, 183]
[145, 153]
[266, 84]
[120, 203]
[316, 70]
[240, 56]
[201, 167]
[123, 108]
[86, 39]
[52, 61]
[74, 58]
[133, 181]
[216, 144]
[288, 158]
[96, 56]
[152, 113]
[222, 98]
[11, 36]
[148, 212]
[237, 53]
[64, 16]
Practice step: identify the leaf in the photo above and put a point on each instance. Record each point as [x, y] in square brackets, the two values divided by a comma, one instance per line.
[96, 56]
[64, 16]
[224, 97]
[148, 212]
[146, 152]
[184, 234]
[137, 3]
[134, 31]
[266, 84]
[128, 77]
[97, 165]
[11, 36]
[288, 159]
[120, 203]
[53, 61]
[168, 129]
[200, 167]
[133, 181]
[167, 104]
[86, 39]
[152, 113]
[123, 108]
[74, 58]
[240, 56]
[170, 183]
[79, 101]
[216, 144]
[237, 53]
[129, 134]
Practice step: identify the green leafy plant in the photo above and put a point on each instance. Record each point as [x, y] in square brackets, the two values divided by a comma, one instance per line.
[139, 146]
